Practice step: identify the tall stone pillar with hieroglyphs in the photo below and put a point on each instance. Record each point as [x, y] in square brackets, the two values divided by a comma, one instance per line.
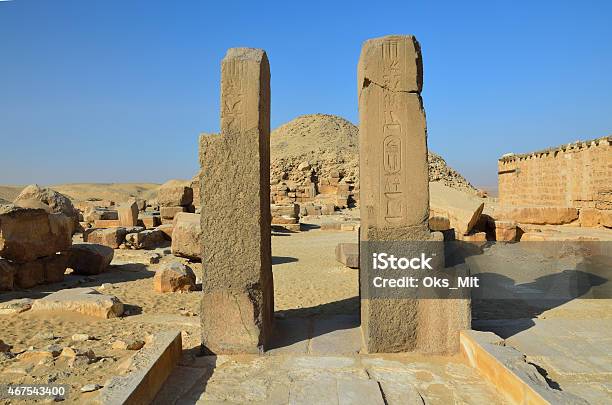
[237, 303]
[395, 199]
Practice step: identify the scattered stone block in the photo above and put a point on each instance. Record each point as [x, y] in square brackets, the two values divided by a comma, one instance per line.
[175, 193]
[542, 215]
[167, 230]
[589, 217]
[187, 236]
[27, 234]
[152, 239]
[474, 237]
[462, 209]
[328, 209]
[48, 269]
[505, 231]
[439, 223]
[174, 277]
[107, 223]
[7, 275]
[170, 212]
[86, 301]
[90, 258]
[111, 237]
[34, 196]
[15, 306]
[131, 344]
[141, 204]
[150, 221]
[128, 214]
[348, 254]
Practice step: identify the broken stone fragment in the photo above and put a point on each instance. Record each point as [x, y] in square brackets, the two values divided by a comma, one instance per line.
[348, 254]
[128, 214]
[111, 237]
[187, 236]
[542, 215]
[174, 193]
[15, 306]
[85, 300]
[439, 223]
[462, 210]
[132, 344]
[90, 258]
[174, 277]
[34, 196]
[27, 234]
[7, 275]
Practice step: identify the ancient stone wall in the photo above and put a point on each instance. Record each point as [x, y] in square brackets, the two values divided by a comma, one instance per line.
[575, 175]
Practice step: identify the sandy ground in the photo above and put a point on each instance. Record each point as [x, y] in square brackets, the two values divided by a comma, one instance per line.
[307, 280]
[117, 192]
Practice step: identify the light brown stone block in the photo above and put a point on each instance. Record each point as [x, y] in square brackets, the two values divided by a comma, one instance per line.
[170, 212]
[27, 234]
[107, 223]
[589, 217]
[348, 254]
[187, 236]
[128, 214]
[505, 231]
[237, 303]
[543, 215]
[111, 237]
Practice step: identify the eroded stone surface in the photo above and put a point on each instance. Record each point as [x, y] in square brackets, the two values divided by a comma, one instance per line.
[237, 302]
[394, 196]
[187, 236]
[86, 301]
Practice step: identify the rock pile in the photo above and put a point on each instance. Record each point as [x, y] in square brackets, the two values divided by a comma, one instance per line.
[34, 246]
[173, 197]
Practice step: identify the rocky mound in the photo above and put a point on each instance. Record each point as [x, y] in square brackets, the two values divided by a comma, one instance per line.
[328, 144]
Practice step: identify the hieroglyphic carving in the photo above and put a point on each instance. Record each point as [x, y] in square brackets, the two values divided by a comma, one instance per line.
[393, 171]
[233, 96]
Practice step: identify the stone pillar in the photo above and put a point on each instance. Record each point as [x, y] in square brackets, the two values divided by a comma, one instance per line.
[395, 196]
[238, 301]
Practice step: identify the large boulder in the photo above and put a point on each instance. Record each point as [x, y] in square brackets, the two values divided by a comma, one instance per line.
[187, 236]
[174, 277]
[49, 269]
[7, 275]
[462, 209]
[174, 193]
[542, 215]
[27, 234]
[34, 196]
[90, 258]
[86, 301]
[111, 237]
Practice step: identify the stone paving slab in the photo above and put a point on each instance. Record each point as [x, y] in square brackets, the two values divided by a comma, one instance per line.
[341, 379]
[574, 354]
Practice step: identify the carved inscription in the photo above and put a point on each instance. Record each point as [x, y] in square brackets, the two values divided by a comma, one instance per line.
[233, 104]
[392, 173]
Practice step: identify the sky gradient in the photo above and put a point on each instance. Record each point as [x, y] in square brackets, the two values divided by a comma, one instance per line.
[118, 91]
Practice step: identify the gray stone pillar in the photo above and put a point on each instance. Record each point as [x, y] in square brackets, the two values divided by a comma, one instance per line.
[395, 195]
[238, 303]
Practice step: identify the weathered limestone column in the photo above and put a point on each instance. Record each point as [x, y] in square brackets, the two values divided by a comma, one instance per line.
[395, 196]
[237, 302]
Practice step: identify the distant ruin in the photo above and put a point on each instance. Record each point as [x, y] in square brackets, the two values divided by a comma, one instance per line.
[574, 178]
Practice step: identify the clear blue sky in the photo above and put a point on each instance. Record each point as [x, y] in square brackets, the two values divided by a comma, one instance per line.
[118, 90]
